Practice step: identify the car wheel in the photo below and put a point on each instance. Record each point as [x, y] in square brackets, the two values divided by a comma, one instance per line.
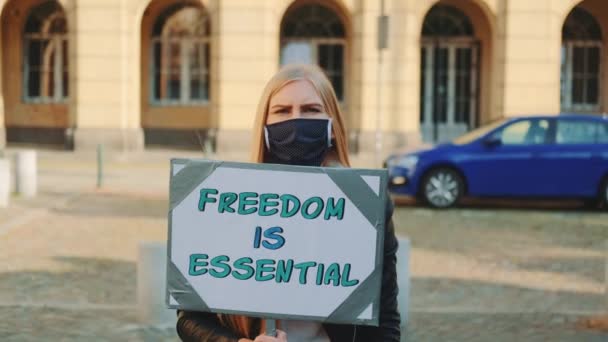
[604, 195]
[442, 188]
[593, 203]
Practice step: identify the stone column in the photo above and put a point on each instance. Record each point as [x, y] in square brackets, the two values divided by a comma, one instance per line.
[404, 279]
[5, 182]
[2, 127]
[404, 75]
[26, 173]
[246, 56]
[530, 58]
[399, 72]
[151, 285]
[105, 105]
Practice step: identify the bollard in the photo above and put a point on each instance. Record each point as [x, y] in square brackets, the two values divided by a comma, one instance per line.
[151, 285]
[99, 166]
[5, 182]
[403, 279]
[26, 174]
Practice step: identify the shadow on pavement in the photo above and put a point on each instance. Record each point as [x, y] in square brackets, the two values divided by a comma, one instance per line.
[496, 296]
[589, 268]
[84, 281]
[116, 204]
[66, 325]
[104, 281]
[524, 204]
[512, 242]
[476, 327]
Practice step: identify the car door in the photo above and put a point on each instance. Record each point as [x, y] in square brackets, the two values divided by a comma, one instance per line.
[573, 164]
[602, 149]
[510, 165]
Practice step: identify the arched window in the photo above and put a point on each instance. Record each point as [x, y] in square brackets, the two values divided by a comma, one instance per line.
[180, 52]
[46, 54]
[315, 34]
[581, 25]
[581, 55]
[449, 74]
[446, 21]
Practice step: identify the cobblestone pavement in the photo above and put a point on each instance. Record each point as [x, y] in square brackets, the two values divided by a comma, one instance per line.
[481, 273]
[51, 324]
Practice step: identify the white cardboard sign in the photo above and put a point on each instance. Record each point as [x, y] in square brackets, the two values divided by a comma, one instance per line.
[276, 241]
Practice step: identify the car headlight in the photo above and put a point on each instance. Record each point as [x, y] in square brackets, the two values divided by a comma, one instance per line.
[407, 162]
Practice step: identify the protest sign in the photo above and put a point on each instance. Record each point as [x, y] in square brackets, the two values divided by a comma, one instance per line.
[276, 241]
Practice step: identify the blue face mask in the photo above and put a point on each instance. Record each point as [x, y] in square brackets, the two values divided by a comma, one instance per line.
[298, 142]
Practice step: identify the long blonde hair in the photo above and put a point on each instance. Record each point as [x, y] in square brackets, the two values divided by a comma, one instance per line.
[316, 76]
[245, 326]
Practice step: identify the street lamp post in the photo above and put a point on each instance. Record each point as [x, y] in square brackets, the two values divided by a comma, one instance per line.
[382, 45]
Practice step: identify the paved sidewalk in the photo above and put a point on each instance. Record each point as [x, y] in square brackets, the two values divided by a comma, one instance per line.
[50, 324]
[68, 261]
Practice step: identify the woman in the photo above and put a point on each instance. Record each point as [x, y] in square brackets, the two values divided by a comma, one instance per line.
[299, 122]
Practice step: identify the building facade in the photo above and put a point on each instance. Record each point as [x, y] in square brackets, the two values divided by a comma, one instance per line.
[136, 73]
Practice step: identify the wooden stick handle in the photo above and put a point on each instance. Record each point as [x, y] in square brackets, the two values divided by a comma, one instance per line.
[271, 327]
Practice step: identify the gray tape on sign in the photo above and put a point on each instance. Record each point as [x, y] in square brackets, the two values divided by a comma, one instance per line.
[359, 299]
[364, 198]
[179, 287]
[188, 178]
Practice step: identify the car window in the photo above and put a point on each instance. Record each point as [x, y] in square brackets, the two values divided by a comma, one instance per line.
[525, 132]
[602, 134]
[576, 132]
[477, 133]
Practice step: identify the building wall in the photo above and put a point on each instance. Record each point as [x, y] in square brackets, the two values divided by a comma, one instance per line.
[110, 56]
[247, 57]
[531, 61]
[16, 114]
[105, 96]
[599, 9]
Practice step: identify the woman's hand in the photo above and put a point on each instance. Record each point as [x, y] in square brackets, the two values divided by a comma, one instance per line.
[281, 337]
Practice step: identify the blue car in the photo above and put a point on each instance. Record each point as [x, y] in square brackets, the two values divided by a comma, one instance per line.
[536, 156]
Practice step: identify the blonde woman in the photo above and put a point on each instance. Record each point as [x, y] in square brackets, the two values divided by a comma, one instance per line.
[299, 122]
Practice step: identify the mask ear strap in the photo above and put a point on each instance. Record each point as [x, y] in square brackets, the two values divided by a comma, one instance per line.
[266, 138]
[329, 133]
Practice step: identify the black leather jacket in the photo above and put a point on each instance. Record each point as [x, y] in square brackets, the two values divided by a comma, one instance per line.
[205, 327]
